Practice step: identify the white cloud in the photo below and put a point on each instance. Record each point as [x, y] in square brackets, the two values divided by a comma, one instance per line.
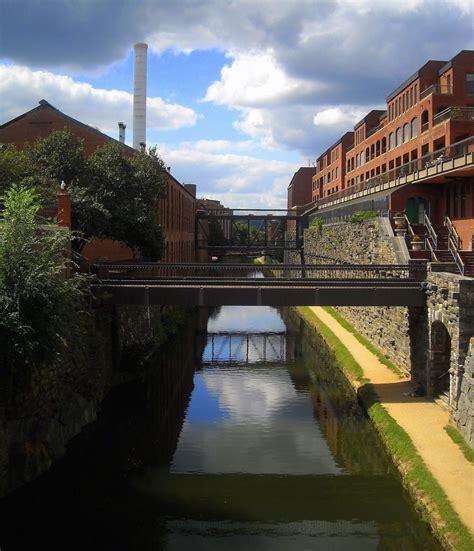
[21, 89]
[345, 116]
[238, 180]
[256, 79]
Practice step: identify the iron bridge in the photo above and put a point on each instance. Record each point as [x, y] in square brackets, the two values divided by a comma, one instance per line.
[260, 285]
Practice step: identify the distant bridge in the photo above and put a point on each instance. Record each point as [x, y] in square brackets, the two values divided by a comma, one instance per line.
[245, 347]
[264, 285]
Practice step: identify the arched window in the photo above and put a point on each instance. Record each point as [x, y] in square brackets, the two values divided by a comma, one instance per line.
[362, 158]
[391, 140]
[384, 145]
[406, 132]
[414, 127]
[377, 148]
[367, 155]
[424, 121]
[399, 136]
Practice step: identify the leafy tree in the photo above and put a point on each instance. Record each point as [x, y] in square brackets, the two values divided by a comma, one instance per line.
[38, 303]
[15, 167]
[216, 234]
[117, 200]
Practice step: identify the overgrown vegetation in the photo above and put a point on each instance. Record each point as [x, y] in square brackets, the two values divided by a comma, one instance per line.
[38, 303]
[458, 439]
[316, 226]
[113, 192]
[365, 342]
[361, 216]
[430, 497]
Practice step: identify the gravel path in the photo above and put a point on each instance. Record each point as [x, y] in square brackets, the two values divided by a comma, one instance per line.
[421, 418]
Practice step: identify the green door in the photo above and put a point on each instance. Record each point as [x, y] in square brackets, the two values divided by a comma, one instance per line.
[412, 211]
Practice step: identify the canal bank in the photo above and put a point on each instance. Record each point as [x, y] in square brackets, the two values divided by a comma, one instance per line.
[261, 444]
[438, 476]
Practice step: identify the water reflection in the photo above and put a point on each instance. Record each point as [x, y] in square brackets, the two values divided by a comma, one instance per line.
[264, 447]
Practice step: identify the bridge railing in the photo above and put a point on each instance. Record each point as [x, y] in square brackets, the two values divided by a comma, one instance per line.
[191, 271]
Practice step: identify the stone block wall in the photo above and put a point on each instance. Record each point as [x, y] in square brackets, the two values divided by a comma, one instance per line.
[42, 409]
[464, 415]
[365, 243]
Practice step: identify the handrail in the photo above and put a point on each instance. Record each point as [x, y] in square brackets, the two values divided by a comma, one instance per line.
[434, 258]
[431, 233]
[408, 226]
[452, 232]
[453, 250]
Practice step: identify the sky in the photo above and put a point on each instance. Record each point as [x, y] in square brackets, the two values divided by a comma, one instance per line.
[240, 92]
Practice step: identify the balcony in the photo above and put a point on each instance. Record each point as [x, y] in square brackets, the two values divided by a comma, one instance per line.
[454, 156]
[436, 89]
[454, 113]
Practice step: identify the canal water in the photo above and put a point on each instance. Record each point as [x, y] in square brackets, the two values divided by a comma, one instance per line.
[247, 437]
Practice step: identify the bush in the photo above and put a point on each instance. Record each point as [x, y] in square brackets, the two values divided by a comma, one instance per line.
[317, 225]
[359, 217]
[39, 304]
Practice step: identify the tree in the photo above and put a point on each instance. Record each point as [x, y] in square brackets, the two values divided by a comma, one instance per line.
[118, 199]
[38, 303]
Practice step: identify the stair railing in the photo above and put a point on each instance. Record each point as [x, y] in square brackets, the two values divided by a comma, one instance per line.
[408, 226]
[454, 244]
[431, 233]
[434, 258]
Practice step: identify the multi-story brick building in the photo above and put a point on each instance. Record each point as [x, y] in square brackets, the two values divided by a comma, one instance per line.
[175, 212]
[415, 157]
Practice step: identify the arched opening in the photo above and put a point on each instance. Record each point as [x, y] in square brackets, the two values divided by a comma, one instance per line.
[440, 359]
[424, 121]
[416, 207]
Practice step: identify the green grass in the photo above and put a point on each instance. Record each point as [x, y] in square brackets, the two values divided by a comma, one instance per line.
[343, 356]
[365, 342]
[458, 439]
[429, 497]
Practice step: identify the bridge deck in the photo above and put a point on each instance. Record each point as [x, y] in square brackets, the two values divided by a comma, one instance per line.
[262, 292]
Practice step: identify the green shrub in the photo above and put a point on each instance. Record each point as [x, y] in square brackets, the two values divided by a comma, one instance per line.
[359, 217]
[317, 225]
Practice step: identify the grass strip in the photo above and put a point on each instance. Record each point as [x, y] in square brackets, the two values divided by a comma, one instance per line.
[429, 497]
[458, 439]
[365, 342]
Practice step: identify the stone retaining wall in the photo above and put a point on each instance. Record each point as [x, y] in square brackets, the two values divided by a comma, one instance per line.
[42, 409]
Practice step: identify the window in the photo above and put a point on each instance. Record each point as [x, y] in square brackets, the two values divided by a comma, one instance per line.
[391, 140]
[399, 136]
[411, 97]
[414, 127]
[470, 84]
[362, 158]
[424, 121]
[406, 132]
[336, 171]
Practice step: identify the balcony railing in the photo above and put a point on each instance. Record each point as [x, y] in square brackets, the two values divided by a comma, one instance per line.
[436, 89]
[437, 158]
[454, 113]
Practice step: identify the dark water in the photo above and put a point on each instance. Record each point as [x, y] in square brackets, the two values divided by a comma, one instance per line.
[257, 443]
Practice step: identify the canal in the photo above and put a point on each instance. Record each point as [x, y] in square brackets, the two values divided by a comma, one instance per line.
[247, 437]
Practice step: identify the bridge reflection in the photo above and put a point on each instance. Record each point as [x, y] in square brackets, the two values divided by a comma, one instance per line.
[240, 347]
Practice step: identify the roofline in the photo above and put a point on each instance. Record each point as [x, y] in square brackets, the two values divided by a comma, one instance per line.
[412, 78]
[379, 111]
[45, 104]
[335, 143]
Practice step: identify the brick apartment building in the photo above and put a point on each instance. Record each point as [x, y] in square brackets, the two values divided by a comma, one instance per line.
[175, 212]
[416, 156]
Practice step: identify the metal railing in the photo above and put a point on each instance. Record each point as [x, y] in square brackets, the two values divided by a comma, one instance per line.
[220, 272]
[442, 89]
[454, 244]
[438, 157]
[431, 233]
[454, 113]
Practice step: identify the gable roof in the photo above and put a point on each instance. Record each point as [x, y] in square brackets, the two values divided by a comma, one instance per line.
[43, 104]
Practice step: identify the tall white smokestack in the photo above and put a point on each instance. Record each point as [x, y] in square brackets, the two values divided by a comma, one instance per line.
[139, 95]
[122, 132]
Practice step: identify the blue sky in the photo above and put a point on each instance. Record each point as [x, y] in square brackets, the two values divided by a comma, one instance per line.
[241, 93]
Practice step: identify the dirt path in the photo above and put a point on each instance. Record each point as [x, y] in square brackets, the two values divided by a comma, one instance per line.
[421, 418]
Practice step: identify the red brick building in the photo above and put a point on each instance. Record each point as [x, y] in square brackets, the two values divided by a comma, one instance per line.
[175, 212]
[299, 189]
[416, 156]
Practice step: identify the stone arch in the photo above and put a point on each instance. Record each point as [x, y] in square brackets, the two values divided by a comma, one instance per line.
[439, 375]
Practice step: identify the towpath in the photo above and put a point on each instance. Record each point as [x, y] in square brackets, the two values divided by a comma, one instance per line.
[422, 419]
